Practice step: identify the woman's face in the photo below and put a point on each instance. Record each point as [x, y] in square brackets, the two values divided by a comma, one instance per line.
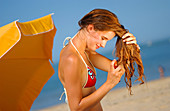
[99, 39]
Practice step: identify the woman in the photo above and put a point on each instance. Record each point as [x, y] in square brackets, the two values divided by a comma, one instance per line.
[79, 59]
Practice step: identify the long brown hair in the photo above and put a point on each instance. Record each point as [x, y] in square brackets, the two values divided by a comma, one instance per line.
[129, 55]
[104, 20]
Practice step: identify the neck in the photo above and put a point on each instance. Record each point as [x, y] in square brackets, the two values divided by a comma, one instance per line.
[79, 40]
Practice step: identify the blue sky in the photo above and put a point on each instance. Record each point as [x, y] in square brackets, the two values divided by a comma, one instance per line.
[148, 20]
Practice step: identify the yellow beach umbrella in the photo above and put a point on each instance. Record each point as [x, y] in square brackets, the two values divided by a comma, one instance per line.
[25, 51]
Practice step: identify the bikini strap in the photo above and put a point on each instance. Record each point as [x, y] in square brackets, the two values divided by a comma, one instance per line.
[78, 52]
[62, 95]
[67, 38]
[70, 40]
[64, 92]
[90, 61]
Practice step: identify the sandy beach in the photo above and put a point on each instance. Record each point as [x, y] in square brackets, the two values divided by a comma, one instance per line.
[151, 96]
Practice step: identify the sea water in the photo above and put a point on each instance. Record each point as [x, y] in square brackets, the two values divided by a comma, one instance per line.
[153, 55]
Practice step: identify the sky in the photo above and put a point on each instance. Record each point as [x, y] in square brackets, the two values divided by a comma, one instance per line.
[147, 20]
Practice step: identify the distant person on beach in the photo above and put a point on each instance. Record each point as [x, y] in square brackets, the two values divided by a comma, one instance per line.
[161, 71]
[78, 60]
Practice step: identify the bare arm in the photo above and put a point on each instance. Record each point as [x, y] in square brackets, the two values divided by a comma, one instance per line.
[72, 78]
[103, 63]
[99, 61]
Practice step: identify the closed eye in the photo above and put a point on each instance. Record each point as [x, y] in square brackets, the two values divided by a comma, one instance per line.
[104, 38]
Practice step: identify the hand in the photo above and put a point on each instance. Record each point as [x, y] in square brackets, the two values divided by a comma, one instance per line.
[128, 38]
[115, 74]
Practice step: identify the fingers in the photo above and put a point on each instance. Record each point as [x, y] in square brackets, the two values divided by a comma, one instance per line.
[127, 35]
[131, 42]
[138, 46]
[115, 74]
[120, 70]
[128, 38]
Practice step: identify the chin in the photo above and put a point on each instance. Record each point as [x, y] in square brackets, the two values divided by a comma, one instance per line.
[92, 49]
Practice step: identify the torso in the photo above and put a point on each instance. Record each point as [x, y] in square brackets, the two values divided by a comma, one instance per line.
[69, 50]
[65, 52]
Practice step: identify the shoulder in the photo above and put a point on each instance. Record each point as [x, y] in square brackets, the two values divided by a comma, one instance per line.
[71, 59]
[67, 56]
[69, 63]
[70, 69]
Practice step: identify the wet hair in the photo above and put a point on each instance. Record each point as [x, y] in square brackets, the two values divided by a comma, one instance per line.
[128, 55]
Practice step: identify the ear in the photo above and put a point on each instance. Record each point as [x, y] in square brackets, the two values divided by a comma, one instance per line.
[90, 28]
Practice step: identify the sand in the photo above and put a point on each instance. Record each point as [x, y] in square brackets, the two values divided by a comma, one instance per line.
[152, 96]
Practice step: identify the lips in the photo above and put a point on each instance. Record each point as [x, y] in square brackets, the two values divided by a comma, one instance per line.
[97, 46]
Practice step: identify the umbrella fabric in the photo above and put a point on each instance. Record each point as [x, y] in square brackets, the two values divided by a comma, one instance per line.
[25, 67]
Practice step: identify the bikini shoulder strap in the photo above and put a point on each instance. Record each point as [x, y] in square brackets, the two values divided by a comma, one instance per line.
[64, 42]
[78, 53]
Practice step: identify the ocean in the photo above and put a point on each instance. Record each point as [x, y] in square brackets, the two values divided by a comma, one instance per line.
[154, 55]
